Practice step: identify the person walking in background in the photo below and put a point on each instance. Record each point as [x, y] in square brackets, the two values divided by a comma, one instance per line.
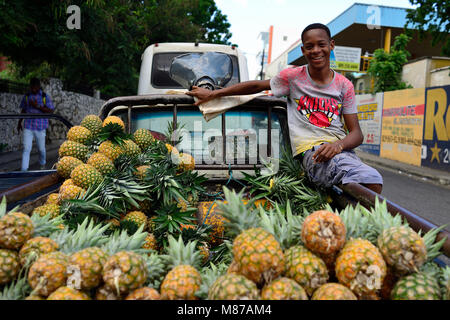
[35, 102]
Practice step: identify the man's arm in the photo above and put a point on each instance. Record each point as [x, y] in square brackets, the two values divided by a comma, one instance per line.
[351, 141]
[243, 88]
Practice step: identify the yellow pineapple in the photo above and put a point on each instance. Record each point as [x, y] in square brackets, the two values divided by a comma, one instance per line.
[150, 242]
[89, 263]
[137, 217]
[306, 268]
[48, 273]
[111, 150]
[183, 280]
[73, 149]
[130, 148]
[52, 198]
[69, 192]
[186, 162]
[53, 209]
[93, 123]
[35, 247]
[208, 212]
[106, 293]
[66, 164]
[68, 293]
[68, 182]
[101, 162]
[283, 289]
[15, 229]
[114, 119]
[233, 267]
[144, 293]
[360, 267]
[86, 176]
[9, 266]
[79, 134]
[233, 287]
[143, 138]
[333, 291]
[124, 272]
[140, 173]
[323, 233]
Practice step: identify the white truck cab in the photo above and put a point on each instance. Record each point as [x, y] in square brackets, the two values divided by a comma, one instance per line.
[156, 60]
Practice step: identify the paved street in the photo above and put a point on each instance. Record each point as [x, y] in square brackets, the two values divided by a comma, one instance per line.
[430, 201]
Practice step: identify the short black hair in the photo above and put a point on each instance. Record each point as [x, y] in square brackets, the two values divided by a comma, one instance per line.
[35, 82]
[317, 26]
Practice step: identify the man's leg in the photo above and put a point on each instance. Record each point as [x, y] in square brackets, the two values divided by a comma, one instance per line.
[27, 141]
[40, 139]
[374, 187]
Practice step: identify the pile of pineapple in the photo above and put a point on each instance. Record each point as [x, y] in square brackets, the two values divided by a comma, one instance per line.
[133, 221]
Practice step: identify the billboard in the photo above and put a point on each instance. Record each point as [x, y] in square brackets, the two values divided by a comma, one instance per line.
[370, 109]
[436, 129]
[402, 125]
[345, 58]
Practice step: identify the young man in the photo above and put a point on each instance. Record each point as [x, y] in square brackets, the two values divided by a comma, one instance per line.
[317, 99]
[35, 101]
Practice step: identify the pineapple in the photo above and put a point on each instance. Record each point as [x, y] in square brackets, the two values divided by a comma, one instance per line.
[68, 293]
[130, 148]
[143, 138]
[233, 267]
[68, 182]
[138, 217]
[172, 149]
[283, 289]
[446, 279]
[140, 173]
[86, 176]
[34, 297]
[113, 119]
[111, 150]
[9, 266]
[106, 293]
[186, 162]
[65, 166]
[53, 209]
[48, 273]
[402, 249]
[150, 242]
[15, 229]
[52, 198]
[333, 291]
[183, 280]
[233, 287]
[34, 248]
[124, 272]
[79, 134]
[101, 162]
[416, 286]
[69, 192]
[209, 215]
[323, 232]
[204, 252]
[89, 263]
[307, 269]
[360, 267]
[144, 293]
[73, 149]
[256, 251]
[93, 123]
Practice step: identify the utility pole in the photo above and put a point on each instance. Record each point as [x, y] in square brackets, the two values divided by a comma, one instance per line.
[262, 64]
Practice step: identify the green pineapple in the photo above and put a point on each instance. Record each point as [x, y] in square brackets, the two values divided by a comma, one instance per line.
[93, 123]
[66, 164]
[416, 286]
[233, 287]
[73, 149]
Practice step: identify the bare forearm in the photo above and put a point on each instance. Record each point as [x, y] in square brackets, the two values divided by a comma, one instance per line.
[352, 140]
[243, 88]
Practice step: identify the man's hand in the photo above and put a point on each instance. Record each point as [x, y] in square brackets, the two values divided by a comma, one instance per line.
[327, 151]
[203, 95]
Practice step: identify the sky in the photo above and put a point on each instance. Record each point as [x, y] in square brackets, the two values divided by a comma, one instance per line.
[250, 17]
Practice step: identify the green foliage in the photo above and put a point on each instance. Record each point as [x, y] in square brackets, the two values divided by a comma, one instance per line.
[386, 68]
[105, 53]
[431, 16]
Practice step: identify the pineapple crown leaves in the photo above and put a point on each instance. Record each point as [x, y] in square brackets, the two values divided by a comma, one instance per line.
[433, 247]
[121, 241]
[381, 219]
[290, 166]
[286, 227]
[178, 253]
[223, 253]
[170, 218]
[173, 133]
[16, 290]
[156, 270]
[88, 234]
[3, 208]
[114, 133]
[209, 275]
[441, 275]
[240, 216]
[46, 225]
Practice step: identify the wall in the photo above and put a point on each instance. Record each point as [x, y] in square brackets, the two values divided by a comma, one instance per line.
[72, 106]
[440, 77]
[415, 73]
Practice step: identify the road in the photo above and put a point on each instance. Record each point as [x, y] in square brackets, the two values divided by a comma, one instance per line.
[430, 201]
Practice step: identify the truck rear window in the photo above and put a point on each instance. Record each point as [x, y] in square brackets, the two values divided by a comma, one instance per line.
[161, 66]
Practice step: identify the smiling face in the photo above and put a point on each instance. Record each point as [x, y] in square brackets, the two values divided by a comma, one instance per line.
[316, 48]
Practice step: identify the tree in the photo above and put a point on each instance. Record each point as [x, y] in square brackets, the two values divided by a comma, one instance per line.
[386, 68]
[431, 16]
[105, 53]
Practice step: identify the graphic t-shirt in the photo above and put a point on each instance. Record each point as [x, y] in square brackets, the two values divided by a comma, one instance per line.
[314, 111]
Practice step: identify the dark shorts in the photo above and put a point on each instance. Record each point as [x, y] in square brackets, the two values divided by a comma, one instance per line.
[343, 168]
